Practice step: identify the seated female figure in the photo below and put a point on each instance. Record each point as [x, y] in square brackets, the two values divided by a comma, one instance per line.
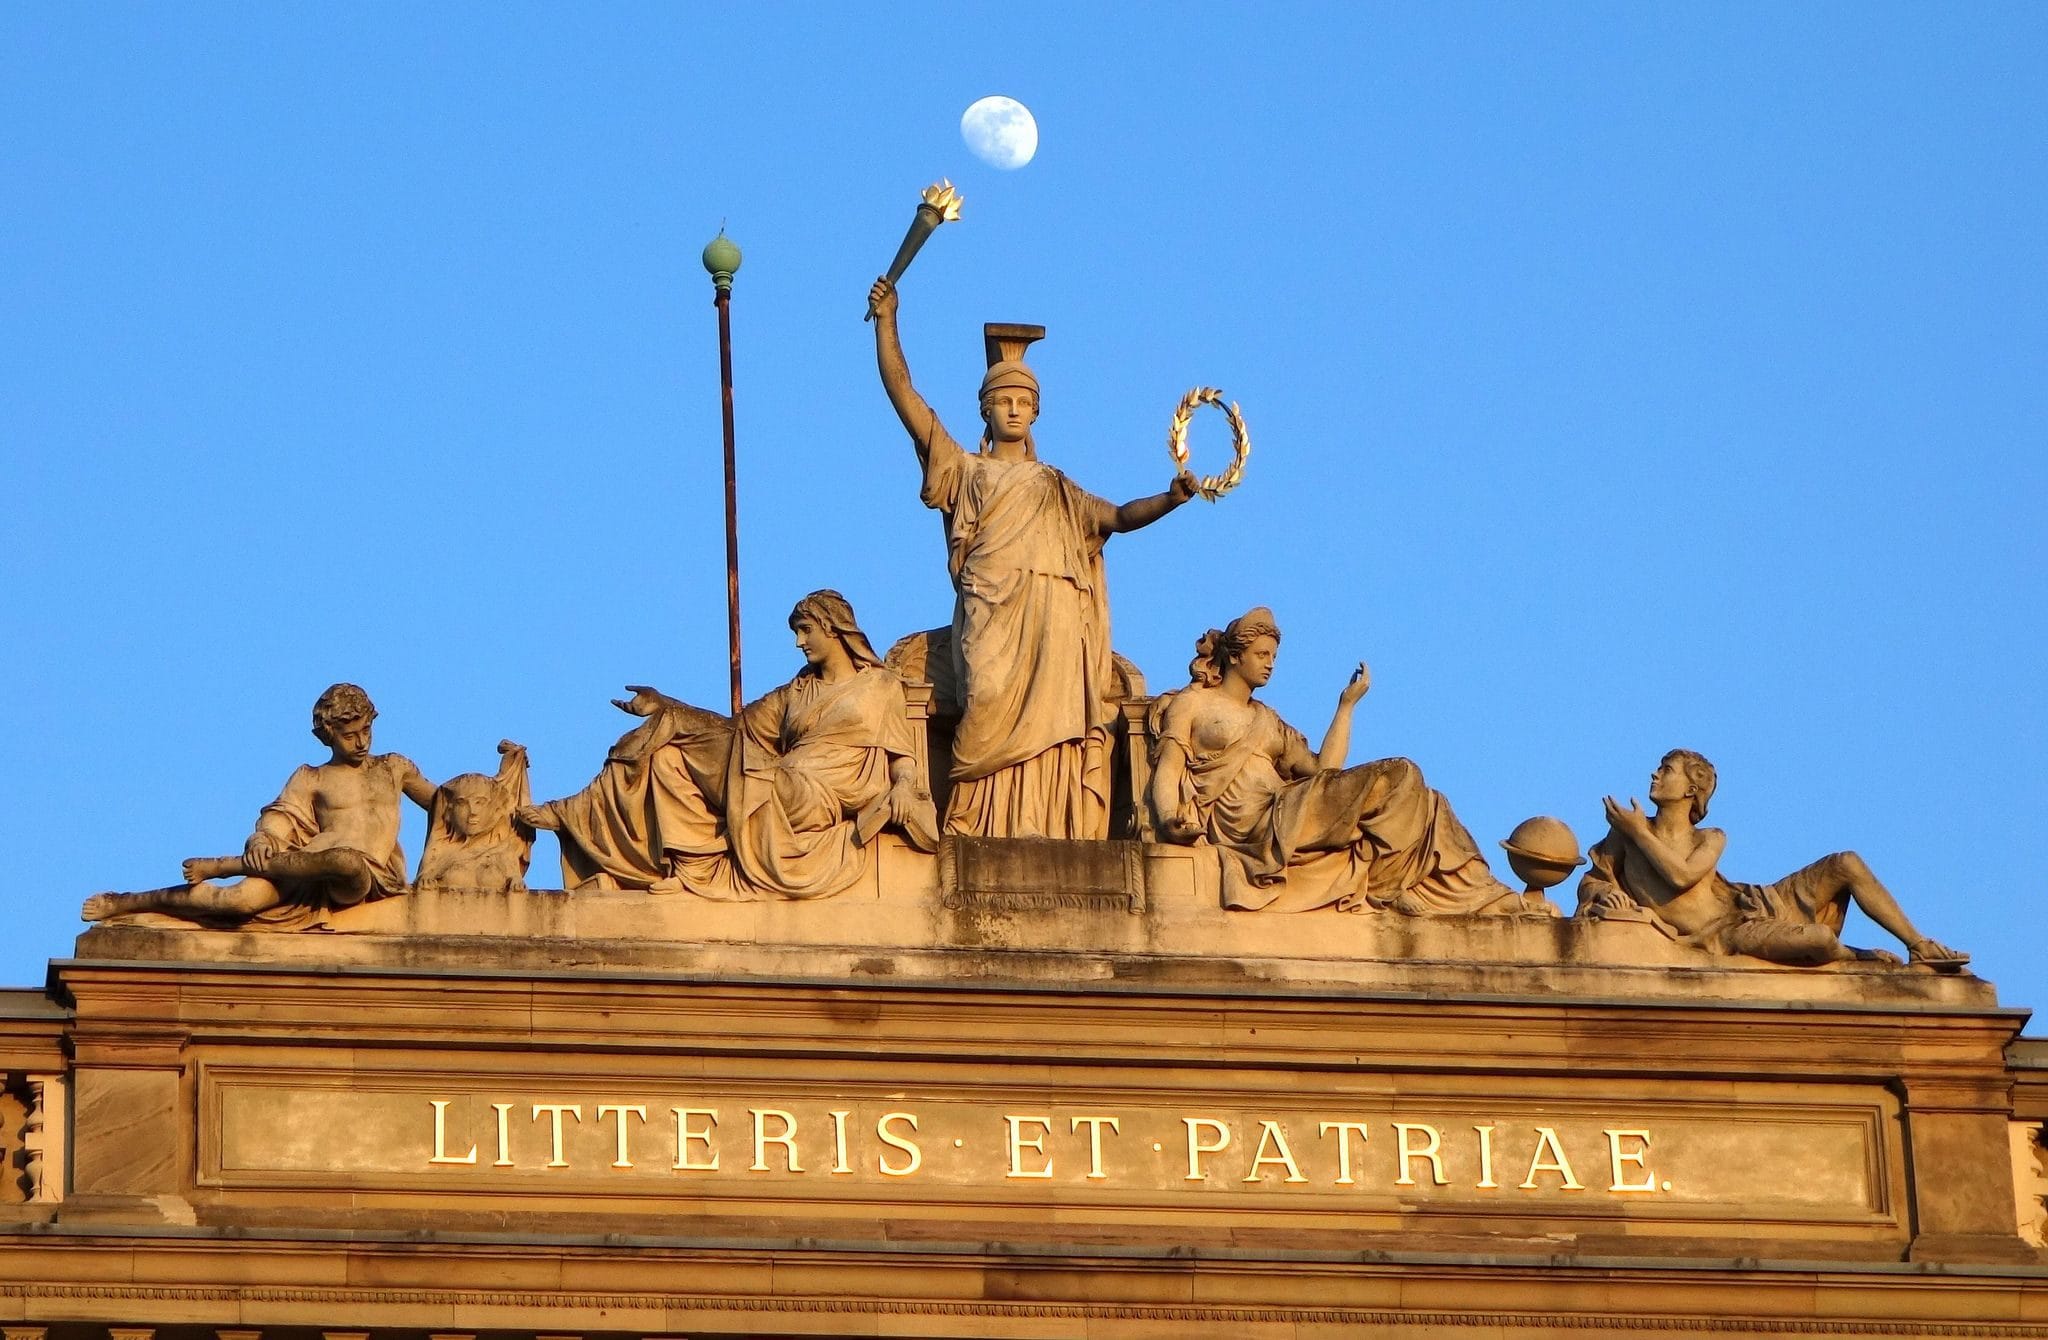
[780, 804]
[1297, 830]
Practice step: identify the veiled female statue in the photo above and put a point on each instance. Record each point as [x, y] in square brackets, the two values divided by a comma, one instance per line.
[1297, 830]
[782, 804]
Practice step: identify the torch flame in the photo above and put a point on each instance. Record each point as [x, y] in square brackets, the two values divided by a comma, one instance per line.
[942, 197]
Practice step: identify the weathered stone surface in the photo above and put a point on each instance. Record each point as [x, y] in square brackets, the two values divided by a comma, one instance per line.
[897, 925]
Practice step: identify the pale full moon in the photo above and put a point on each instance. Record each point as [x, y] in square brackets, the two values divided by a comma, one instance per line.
[1001, 132]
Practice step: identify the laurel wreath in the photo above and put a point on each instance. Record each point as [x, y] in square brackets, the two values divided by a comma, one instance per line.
[1211, 487]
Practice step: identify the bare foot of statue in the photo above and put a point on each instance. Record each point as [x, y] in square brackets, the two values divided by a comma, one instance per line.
[101, 906]
[201, 868]
[1937, 955]
[1873, 955]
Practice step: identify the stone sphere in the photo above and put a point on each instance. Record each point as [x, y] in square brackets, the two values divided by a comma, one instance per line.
[1542, 851]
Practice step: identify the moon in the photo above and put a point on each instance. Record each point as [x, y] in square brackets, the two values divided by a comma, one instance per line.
[1001, 132]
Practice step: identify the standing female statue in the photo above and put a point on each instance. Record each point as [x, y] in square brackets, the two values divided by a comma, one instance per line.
[1031, 617]
[781, 804]
[1298, 830]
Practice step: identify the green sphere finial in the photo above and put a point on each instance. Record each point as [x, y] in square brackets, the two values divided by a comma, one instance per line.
[722, 259]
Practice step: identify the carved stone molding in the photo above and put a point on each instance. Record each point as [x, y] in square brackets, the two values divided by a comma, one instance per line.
[1187, 1314]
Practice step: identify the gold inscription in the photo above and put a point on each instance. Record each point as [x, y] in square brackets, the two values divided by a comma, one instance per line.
[1133, 1147]
[1019, 1142]
[1556, 1162]
[1639, 1156]
[554, 1111]
[762, 1139]
[441, 1136]
[1344, 1130]
[688, 1135]
[619, 1110]
[894, 1141]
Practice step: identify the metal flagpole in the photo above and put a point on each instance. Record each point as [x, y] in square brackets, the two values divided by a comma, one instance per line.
[722, 258]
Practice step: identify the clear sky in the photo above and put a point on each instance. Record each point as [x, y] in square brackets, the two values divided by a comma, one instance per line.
[1620, 376]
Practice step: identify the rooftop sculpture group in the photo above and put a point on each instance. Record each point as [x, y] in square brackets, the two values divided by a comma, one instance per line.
[785, 800]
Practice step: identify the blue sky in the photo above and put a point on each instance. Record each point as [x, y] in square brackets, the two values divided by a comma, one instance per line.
[1621, 377]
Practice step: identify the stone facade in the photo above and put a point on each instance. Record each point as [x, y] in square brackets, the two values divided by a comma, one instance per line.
[963, 1105]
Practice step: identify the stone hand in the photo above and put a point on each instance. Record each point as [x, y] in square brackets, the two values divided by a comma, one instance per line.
[1611, 899]
[536, 816]
[904, 798]
[882, 300]
[508, 747]
[1629, 820]
[1182, 488]
[645, 702]
[1182, 827]
[258, 850]
[1355, 687]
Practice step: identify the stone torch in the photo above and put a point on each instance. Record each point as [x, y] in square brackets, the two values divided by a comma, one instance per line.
[940, 204]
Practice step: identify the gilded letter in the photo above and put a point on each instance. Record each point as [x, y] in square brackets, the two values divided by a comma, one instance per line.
[1638, 1156]
[762, 1139]
[908, 1146]
[1018, 1144]
[504, 1111]
[839, 1163]
[620, 1110]
[686, 1133]
[1095, 1125]
[1271, 1134]
[1485, 1182]
[1196, 1148]
[1433, 1151]
[555, 1111]
[1546, 1138]
[1344, 1129]
[441, 1137]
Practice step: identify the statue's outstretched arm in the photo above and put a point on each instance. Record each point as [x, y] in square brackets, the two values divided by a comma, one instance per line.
[918, 417]
[1141, 512]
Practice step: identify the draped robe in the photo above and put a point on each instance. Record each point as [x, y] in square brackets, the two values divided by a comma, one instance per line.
[1031, 644]
[1371, 836]
[770, 810]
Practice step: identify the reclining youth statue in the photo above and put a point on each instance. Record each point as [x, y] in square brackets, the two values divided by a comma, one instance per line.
[1298, 830]
[1663, 869]
[1031, 755]
[329, 840]
[785, 806]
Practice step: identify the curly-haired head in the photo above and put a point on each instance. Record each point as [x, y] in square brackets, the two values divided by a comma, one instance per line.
[1702, 776]
[341, 702]
[1218, 647]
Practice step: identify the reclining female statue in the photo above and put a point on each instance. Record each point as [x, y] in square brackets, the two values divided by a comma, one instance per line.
[1297, 830]
[784, 806]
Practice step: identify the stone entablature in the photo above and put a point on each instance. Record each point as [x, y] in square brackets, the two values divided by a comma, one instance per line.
[474, 1121]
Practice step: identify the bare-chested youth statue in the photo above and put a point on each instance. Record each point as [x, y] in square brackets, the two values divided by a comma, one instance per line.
[1663, 869]
[330, 839]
